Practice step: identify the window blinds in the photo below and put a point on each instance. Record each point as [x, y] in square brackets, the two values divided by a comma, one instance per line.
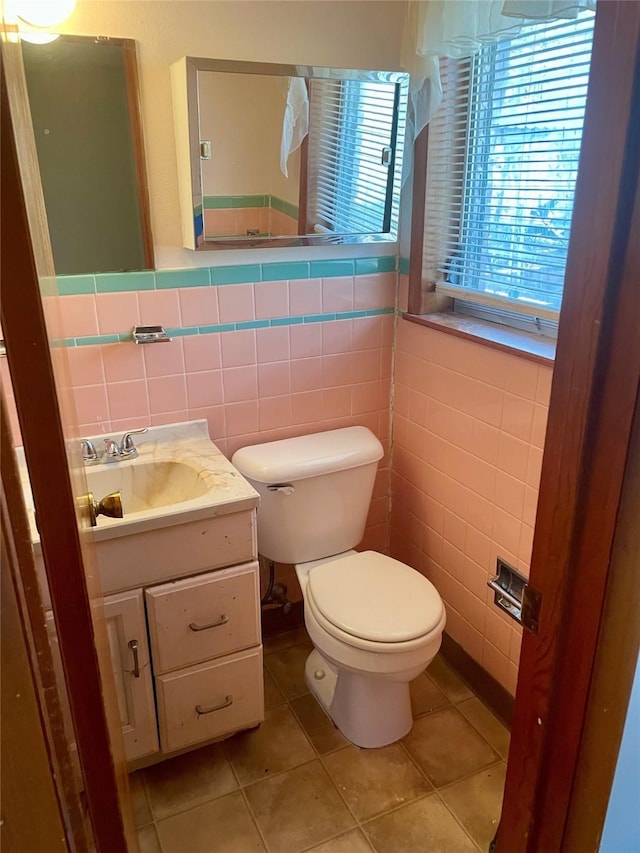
[502, 165]
[355, 135]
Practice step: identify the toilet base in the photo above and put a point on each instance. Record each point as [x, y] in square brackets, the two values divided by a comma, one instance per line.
[370, 712]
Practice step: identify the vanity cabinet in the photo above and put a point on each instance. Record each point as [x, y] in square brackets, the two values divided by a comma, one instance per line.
[127, 636]
[212, 620]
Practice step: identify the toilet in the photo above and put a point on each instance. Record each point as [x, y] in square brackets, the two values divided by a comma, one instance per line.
[375, 623]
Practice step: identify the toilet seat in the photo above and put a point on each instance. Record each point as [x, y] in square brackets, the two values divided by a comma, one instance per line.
[372, 601]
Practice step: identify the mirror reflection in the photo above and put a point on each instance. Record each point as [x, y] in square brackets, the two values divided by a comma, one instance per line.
[281, 158]
[83, 96]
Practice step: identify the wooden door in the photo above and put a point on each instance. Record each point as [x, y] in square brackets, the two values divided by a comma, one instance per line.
[594, 394]
[47, 423]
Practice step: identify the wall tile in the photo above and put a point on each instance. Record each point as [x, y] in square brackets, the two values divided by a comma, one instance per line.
[117, 312]
[305, 297]
[337, 294]
[123, 362]
[271, 299]
[128, 400]
[199, 306]
[201, 352]
[204, 389]
[236, 303]
[464, 489]
[160, 308]
[273, 344]
[235, 274]
[199, 277]
[240, 383]
[110, 282]
[167, 393]
[85, 365]
[78, 315]
[306, 341]
[238, 348]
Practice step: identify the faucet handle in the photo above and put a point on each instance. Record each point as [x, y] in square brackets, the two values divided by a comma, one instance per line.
[127, 447]
[89, 452]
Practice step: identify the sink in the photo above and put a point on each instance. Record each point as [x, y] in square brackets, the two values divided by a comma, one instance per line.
[186, 510]
[148, 485]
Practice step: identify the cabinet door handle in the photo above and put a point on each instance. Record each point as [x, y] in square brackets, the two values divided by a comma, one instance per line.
[221, 621]
[133, 645]
[228, 700]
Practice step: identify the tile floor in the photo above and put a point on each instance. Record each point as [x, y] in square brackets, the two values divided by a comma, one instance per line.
[295, 784]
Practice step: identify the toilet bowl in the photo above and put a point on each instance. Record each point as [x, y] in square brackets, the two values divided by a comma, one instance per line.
[367, 648]
[375, 623]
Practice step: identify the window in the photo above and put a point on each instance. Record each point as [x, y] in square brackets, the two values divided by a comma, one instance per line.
[356, 137]
[503, 159]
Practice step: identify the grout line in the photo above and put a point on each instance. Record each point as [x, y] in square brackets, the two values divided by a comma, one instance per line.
[254, 818]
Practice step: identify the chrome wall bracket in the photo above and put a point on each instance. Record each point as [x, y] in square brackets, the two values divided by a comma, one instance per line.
[149, 335]
[516, 597]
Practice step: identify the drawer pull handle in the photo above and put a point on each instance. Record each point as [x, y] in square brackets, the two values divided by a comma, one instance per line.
[228, 700]
[133, 645]
[221, 621]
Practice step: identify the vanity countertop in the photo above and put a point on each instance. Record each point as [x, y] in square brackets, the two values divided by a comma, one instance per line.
[178, 476]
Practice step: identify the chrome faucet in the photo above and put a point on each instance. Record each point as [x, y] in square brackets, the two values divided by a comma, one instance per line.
[126, 449]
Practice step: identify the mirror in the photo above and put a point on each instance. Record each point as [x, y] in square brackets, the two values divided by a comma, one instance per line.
[240, 186]
[83, 95]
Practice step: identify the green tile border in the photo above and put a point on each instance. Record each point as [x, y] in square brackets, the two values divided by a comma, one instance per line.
[118, 282]
[283, 206]
[403, 266]
[188, 331]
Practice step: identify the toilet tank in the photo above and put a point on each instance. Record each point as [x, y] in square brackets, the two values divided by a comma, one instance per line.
[315, 492]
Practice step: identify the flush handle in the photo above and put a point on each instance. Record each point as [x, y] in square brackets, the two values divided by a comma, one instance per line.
[285, 488]
[221, 621]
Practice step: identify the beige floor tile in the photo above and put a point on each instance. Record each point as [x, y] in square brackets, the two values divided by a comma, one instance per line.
[319, 728]
[298, 809]
[180, 783]
[373, 781]
[425, 696]
[224, 825]
[425, 826]
[477, 802]
[148, 840]
[141, 810]
[487, 724]
[350, 842]
[272, 696]
[447, 680]
[447, 747]
[286, 640]
[286, 667]
[279, 744]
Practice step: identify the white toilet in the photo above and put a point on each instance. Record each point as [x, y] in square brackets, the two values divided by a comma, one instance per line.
[375, 623]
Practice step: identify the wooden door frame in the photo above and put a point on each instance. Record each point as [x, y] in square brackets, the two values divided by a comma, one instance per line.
[593, 398]
[36, 399]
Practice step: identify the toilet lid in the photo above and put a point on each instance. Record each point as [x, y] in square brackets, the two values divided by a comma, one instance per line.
[374, 597]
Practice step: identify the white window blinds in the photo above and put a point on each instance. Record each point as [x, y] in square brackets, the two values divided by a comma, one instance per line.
[503, 159]
[356, 135]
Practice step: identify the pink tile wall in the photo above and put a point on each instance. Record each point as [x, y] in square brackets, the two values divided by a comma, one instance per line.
[468, 431]
[250, 385]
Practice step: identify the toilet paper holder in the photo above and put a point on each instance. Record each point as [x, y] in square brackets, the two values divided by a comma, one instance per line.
[514, 595]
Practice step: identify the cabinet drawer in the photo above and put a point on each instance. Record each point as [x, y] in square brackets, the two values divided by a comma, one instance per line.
[210, 700]
[204, 617]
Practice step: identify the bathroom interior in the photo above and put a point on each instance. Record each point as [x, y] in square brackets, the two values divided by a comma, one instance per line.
[279, 360]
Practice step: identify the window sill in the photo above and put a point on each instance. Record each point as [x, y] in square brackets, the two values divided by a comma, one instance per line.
[514, 341]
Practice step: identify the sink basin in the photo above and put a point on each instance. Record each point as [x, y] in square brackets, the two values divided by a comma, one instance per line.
[147, 485]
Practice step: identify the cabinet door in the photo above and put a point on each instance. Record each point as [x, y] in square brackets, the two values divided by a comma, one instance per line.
[127, 633]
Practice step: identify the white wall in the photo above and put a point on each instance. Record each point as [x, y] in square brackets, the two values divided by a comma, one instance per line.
[360, 34]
